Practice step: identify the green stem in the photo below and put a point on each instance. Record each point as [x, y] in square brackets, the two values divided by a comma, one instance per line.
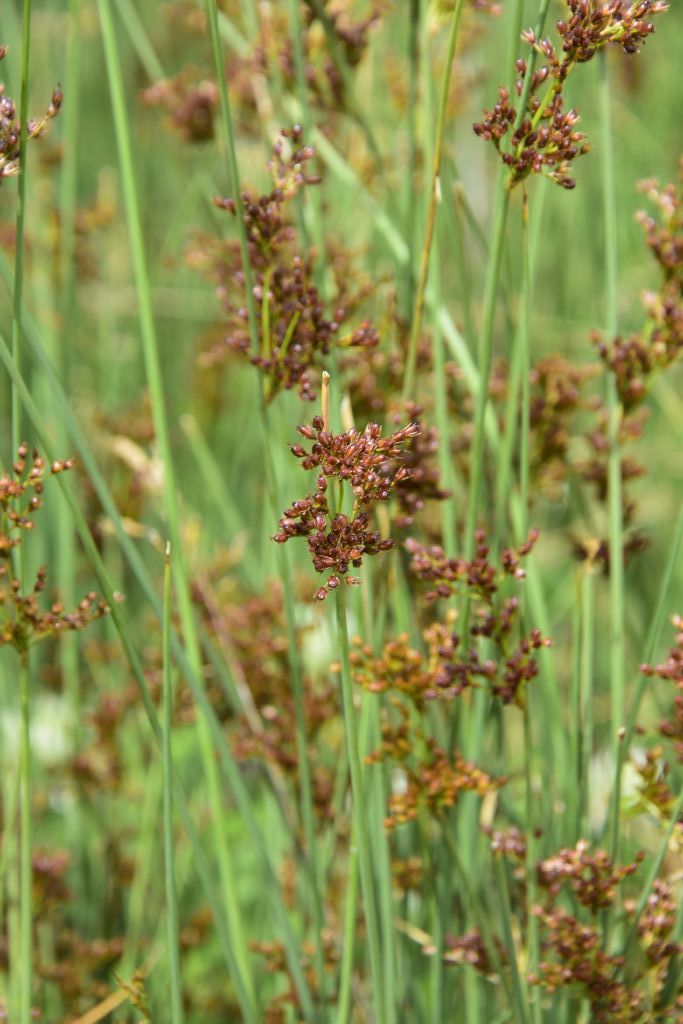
[297, 36]
[530, 825]
[411, 176]
[25, 881]
[350, 928]
[448, 510]
[519, 998]
[21, 215]
[233, 173]
[359, 814]
[434, 196]
[525, 397]
[614, 482]
[485, 358]
[586, 690]
[172, 925]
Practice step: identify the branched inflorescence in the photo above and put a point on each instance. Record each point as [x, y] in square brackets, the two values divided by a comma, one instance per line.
[432, 782]
[572, 952]
[295, 332]
[545, 138]
[635, 360]
[10, 128]
[458, 666]
[372, 466]
[572, 955]
[22, 621]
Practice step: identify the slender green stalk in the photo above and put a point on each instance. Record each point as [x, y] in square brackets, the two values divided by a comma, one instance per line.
[519, 997]
[485, 359]
[306, 784]
[345, 984]
[297, 35]
[233, 173]
[172, 925]
[381, 859]
[614, 482]
[359, 815]
[586, 689]
[411, 176]
[443, 422]
[434, 195]
[349, 934]
[531, 825]
[66, 553]
[21, 217]
[11, 869]
[25, 878]
[525, 396]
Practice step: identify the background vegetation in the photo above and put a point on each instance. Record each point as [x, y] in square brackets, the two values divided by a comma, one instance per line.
[224, 811]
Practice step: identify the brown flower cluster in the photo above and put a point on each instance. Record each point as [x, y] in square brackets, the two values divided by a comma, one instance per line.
[634, 360]
[432, 781]
[592, 877]
[372, 466]
[593, 24]
[546, 141]
[657, 923]
[10, 128]
[671, 670]
[22, 621]
[544, 138]
[295, 332]
[461, 666]
[404, 669]
[189, 101]
[573, 957]
[573, 952]
[446, 671]
[453, 575]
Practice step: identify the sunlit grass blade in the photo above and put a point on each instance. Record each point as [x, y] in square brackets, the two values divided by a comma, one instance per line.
[172, 925]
